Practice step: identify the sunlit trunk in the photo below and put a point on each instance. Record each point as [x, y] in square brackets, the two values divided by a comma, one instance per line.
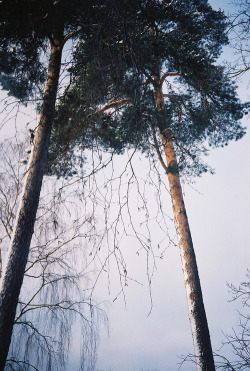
[13, 274]
[197, 314]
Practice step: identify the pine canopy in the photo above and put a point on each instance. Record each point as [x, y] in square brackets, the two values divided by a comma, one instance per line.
[111, 101]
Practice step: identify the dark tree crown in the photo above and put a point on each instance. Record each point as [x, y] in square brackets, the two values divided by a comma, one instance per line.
[181, 40]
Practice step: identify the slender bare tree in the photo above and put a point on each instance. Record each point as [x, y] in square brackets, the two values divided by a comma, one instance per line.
[56, 295]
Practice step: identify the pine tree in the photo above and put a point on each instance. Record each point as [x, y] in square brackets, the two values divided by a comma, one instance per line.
[31, 29]
[170, 89]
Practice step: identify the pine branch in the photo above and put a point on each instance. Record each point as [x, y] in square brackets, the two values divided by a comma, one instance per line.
[158, 150]
[112, 104]
[70, 35]
[167, 74]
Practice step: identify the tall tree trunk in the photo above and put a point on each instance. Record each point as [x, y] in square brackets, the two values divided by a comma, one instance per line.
[197, 314]
[12, 279]
[0, 263]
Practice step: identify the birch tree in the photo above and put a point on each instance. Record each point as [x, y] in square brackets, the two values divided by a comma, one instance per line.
[56, 295]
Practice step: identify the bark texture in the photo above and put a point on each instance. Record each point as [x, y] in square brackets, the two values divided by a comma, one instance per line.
[0, 264]
[12, 279]
[197, 314]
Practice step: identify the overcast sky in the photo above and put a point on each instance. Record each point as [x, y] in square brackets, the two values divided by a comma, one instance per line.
[218, 208]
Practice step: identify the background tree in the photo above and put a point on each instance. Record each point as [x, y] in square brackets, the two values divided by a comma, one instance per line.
[239, 30]
[239, 339]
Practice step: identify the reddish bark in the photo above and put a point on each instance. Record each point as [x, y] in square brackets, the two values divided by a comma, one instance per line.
[197, 314]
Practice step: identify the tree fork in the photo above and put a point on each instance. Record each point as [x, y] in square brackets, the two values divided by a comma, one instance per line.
[196, 309]
[13, 275]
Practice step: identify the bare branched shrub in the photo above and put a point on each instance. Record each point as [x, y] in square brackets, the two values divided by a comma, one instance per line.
[238, 342]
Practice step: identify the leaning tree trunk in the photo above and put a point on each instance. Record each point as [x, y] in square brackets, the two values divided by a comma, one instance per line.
[12, 279]
[197, 314]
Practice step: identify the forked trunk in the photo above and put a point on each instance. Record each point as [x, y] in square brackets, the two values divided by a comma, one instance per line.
[12, 279]
[197, 314]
